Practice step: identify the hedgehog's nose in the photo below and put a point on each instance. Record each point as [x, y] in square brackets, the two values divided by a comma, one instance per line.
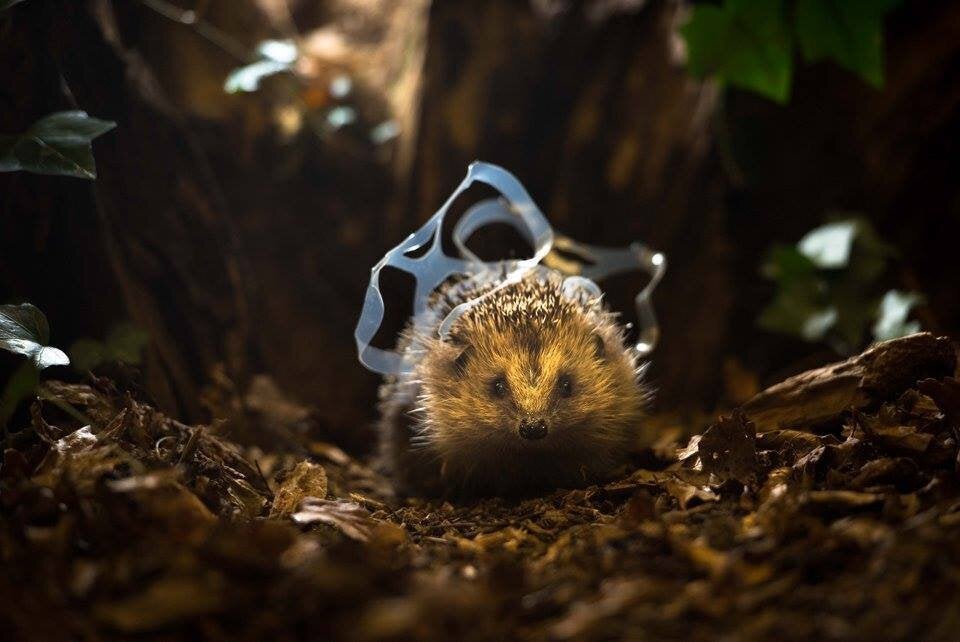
[533, 428]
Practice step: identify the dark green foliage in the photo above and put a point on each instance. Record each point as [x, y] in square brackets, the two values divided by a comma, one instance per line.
[124, 343]
[22, 383]
[24, 330]
[849, 32]
[829, 288]
[6, 4]
[56, 144]
[273, 57]
[744, 43]
[751, 44]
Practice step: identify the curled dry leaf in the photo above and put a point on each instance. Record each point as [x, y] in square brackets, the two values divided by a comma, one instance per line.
[887, 430]
[306, 480]
[351, 519]
[729, 448]
[102, 527]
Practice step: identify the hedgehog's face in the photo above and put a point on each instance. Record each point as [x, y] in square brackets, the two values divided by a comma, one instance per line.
[543, 406]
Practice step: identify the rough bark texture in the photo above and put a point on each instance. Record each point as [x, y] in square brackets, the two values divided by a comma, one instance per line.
[595, 114]
[823, 394]
[164, 225]
[585, 102]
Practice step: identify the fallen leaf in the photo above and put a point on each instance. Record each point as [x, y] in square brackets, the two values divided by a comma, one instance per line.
[729, 449]
[306, 480]
[349, 518]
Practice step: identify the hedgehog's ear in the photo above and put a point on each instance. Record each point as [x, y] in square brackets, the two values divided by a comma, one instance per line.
[599, 346]
[460, 362]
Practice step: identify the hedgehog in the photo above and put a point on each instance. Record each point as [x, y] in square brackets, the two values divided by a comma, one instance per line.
[531, 389]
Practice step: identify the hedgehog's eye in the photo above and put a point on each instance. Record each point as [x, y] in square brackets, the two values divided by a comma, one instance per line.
[565, 385]
[498, 387]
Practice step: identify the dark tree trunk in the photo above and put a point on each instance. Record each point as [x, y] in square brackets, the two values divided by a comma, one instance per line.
[599, 119]
[165, 229]
[589, 106]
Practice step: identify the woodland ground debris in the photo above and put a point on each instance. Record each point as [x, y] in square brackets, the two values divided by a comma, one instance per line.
[845, 525]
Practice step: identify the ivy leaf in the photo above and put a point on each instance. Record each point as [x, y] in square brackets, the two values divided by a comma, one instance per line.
[21, 384]
[800, 309]
[24, 330]
[56, 144]
[892, 315]
[849, 32]
[6, 4]
[87, 354]
[745, 43]
[788, 264]
[124, 343]
[247, 79]
[829, 246]
[275, 56]
[829, 286]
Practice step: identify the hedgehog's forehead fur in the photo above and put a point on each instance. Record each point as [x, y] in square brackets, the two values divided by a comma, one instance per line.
[533, 306]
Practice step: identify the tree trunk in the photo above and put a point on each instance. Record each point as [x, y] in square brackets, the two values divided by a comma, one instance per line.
[165, 228]
[595, 114]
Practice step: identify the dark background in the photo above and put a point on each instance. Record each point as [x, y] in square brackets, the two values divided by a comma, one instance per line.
[243, 245]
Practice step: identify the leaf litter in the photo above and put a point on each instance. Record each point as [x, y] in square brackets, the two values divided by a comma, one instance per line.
[136, 526]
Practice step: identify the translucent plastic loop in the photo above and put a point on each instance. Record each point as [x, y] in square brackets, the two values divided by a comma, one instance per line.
[574, 285]
[597, 263]
[517, 209]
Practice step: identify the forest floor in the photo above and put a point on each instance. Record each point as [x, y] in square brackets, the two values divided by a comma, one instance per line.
[826, 508]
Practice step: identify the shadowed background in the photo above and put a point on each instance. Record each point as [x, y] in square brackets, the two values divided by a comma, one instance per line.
[238, 229]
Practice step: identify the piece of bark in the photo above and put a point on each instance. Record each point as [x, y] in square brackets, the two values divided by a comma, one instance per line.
[821, 395]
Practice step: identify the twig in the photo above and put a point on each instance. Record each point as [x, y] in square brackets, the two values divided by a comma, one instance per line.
[200, 26]
[45, 394]
[191, 446]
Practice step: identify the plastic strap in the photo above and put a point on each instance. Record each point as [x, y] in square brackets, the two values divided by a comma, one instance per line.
[517, 209]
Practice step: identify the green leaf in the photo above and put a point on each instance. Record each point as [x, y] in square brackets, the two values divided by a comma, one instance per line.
[745, 43]
[87, 354]
[809, 323]
[800, 310]
[892, 315]
[870, 254]
[828, 286]
[788, 265]
[247, 79]
[849, 32]
[6, 4]
[24, 330]
[58, 144]
[125, 343]
[275, 56]
[829, 246]
[856, 306]
[21, 384]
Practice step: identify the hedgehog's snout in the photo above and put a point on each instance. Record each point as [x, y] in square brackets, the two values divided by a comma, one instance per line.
[533, 428]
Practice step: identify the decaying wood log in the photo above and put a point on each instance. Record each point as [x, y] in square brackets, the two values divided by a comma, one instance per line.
[821, 395]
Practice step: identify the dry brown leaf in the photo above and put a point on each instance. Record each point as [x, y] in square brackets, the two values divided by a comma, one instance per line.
[306, 480]
[350, 518]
